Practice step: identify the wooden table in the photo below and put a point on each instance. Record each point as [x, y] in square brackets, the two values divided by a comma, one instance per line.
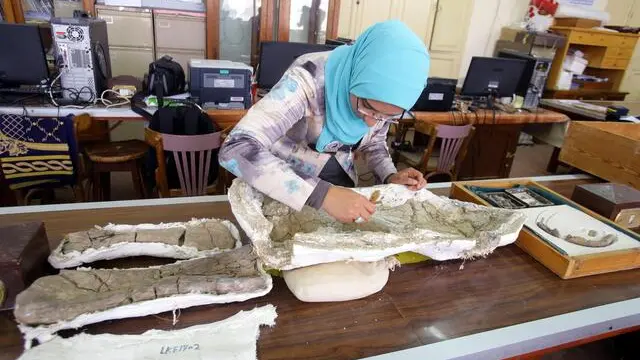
[493, 147]
[427, 309]
[553, 134]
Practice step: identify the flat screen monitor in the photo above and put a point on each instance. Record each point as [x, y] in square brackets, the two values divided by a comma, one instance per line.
[493, 76]
[22, 55]
[276, 57]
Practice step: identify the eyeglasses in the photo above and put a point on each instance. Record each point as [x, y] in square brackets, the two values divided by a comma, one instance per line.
[371, 112]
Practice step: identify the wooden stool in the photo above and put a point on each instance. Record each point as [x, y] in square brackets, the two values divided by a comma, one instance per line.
[105, 158]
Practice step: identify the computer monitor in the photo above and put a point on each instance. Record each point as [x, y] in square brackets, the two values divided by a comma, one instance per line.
[276, 57]
[22, 55]
[493, 77]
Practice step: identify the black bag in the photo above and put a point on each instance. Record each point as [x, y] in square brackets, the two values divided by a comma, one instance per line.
[177, 120]
[165, 78]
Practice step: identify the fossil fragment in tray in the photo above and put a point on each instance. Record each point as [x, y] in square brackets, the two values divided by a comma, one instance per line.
[173, 240]
[75, 298]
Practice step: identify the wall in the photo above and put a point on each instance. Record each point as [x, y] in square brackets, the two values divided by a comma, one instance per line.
[487, 20]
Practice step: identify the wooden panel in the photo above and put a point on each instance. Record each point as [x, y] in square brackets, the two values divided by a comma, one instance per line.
[267, 20]
[488, 117]
[419, 16]
[213, 29]
[284, 14]
[617, 161]
[89, 6]
[333, 19]
[14, 6]
[445, 65]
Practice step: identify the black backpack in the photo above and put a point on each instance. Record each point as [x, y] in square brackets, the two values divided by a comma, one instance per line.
[187, 119]
[165, 78]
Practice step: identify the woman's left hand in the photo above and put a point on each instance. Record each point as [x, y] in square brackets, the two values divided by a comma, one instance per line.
[410, 177]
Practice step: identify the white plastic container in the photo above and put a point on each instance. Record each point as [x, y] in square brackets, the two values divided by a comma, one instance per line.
[575, 64]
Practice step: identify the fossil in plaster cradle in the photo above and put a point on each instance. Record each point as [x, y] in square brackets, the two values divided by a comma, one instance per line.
[434, 226]
[195, 238]
[75, 298]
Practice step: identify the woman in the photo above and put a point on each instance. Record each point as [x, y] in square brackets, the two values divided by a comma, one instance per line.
[296, 144]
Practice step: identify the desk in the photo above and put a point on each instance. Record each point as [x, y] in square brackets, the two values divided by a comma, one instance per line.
[553, 134]
[494, 144]
[504, 305]
[490, 153]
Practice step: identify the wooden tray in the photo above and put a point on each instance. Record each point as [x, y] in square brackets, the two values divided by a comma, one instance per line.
[565, 266]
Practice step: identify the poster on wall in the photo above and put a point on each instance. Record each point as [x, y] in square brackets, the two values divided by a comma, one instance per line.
[578, 2]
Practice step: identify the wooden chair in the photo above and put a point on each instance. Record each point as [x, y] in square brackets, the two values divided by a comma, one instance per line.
[455, 142]
[192, 155]
[102, 158]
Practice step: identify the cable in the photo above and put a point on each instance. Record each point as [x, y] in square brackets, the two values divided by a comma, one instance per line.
[74, 94]
[109, 104]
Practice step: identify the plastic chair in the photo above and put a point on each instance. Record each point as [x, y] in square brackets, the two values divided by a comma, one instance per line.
[192, 155]
[455, 142]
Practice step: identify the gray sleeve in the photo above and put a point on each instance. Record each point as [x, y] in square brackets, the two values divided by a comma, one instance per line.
[316, 198]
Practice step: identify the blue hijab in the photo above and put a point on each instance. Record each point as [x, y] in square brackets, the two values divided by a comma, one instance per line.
[388, 63]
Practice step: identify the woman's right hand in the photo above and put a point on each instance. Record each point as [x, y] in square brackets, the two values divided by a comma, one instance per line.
[347, 205]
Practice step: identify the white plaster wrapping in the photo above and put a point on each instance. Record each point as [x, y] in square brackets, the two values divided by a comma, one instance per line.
[231, 338]
[60, 260]
[44, 333]
[328, 246]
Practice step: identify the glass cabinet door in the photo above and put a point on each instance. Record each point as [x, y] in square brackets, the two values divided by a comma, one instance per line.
[239, 30]
[308, 21]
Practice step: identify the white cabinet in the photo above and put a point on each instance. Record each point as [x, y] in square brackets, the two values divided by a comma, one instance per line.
[451, 25]
[444, 65]
[619, 10]
[441, 24]
[357, 15]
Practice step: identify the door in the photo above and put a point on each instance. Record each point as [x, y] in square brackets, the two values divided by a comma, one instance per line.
[444, 65]
[620, 11]
[363, 13]
[419, 15]
[451, 25]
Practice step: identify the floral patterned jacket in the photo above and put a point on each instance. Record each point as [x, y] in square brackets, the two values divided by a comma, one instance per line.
[273, 146]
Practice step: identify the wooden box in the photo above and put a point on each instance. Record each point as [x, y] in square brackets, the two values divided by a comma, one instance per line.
[24, 249]
[617, 202]
[609, 150]
[565, 266]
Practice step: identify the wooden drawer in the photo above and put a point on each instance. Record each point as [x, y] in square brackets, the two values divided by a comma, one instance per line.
[619, 53]
[585, 38]
[627, 42]
[621, 63]
[606, 63]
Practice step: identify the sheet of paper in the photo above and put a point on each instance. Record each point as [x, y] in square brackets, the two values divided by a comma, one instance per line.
[568, 220]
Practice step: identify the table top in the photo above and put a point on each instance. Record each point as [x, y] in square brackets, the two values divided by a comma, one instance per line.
[506, 298]
[578, 113]
[230, 117]
[488, 117]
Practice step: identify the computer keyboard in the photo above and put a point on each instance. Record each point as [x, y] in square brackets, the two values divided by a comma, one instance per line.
[29, 90]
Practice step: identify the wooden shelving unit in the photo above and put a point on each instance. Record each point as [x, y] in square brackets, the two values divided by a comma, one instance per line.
[609, 54]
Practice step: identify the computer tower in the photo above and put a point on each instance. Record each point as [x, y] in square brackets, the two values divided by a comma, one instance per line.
[534, 78]
[438, 95]
[82, 54]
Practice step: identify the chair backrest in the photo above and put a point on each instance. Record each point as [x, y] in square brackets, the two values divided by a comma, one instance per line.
[192, 154]
[452, 139]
